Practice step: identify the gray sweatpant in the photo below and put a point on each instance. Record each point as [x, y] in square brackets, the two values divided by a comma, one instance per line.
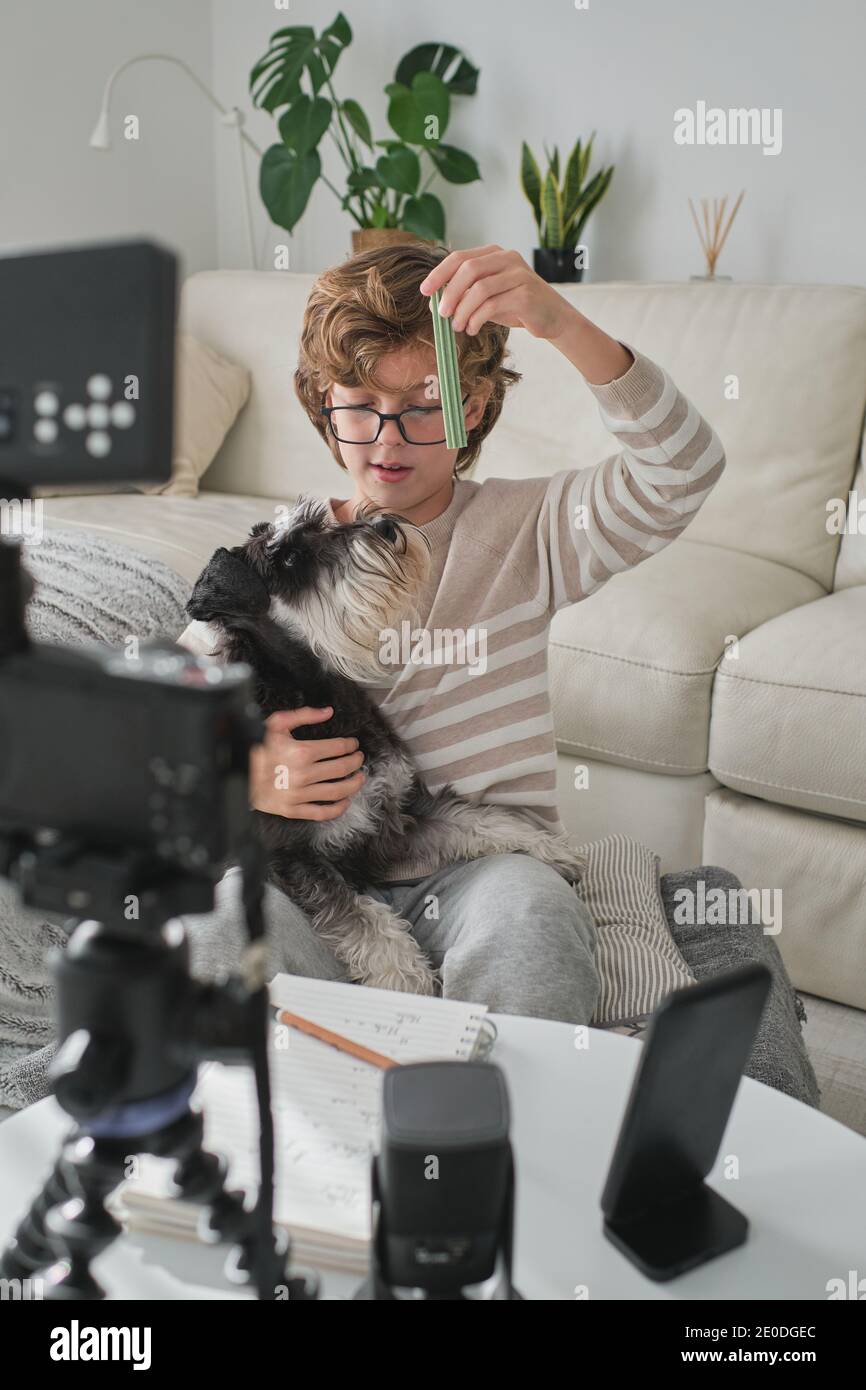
[505, 931]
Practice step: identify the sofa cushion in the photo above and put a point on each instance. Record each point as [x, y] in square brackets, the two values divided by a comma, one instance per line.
[183, 532]
[632, 666]
[211, 392]
[769, 366]
[813, 869]
[789, 709]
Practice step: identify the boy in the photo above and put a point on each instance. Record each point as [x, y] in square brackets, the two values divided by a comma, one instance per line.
[505, 931]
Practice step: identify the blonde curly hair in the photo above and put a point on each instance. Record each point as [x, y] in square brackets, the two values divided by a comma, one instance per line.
[370, 305]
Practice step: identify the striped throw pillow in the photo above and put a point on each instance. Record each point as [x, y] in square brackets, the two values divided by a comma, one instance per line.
[637, 958]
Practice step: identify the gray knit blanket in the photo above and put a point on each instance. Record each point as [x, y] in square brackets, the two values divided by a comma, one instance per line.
[91, 589]
[779, 1057]
[87, 589]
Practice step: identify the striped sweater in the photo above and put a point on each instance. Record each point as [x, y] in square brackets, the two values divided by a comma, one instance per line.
[470, 692]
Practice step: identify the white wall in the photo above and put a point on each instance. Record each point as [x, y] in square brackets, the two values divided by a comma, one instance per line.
[55, 56]
[550, 72]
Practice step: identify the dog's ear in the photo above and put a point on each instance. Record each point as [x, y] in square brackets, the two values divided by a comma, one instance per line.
[227, 588]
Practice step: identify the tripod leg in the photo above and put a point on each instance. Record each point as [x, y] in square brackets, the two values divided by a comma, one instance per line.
[67, 1225]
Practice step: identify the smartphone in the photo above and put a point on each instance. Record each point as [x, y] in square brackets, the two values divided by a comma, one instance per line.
[657, 1208]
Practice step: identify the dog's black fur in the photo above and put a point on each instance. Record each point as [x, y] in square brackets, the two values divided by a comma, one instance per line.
[233, 593]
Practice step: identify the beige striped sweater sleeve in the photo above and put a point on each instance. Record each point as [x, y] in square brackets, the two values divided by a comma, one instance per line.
[593, 522]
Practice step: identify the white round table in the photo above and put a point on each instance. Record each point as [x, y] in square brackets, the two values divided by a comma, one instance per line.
[801, 1183]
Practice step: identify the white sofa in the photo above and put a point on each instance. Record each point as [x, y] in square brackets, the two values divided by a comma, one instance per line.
[716, 694]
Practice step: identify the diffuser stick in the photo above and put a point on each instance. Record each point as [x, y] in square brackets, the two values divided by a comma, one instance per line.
[730, 221]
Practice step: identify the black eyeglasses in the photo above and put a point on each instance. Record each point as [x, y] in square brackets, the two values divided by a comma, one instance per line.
[355, 424]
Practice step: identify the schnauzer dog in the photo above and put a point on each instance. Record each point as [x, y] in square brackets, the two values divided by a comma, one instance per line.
[304, 602]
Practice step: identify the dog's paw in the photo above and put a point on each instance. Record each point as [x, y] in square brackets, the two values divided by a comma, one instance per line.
[557, 852]
[409, 977]
[401, 965]
[412, 981]
[384, 954]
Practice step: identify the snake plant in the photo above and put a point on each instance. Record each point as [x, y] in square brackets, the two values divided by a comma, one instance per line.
[561, 212]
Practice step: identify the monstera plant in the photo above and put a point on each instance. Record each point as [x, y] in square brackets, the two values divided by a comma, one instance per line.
[383, 185]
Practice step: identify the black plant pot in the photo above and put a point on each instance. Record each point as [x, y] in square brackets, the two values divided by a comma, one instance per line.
[556, 264]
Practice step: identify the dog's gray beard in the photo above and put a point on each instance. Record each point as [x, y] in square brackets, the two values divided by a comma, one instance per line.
[344, 623]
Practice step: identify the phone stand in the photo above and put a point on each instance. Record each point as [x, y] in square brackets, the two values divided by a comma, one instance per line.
[670, 1238]
[658, 1210]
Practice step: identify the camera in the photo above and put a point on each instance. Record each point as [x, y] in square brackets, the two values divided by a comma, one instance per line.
[109, 749]
[148, 753]
[123, 790]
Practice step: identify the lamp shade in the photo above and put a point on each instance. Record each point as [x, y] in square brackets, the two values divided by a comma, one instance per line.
[100, 139]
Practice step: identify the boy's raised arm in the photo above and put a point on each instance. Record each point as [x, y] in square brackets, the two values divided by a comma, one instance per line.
[577, 529]
[597, 521]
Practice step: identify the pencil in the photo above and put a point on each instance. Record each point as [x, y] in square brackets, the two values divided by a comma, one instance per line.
[315, 1030]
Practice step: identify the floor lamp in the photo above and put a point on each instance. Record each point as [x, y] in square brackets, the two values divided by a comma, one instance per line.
[231, 116]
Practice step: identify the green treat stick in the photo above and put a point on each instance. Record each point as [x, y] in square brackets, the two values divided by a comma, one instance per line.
[441, 368]
[450, 344]
[449, 376]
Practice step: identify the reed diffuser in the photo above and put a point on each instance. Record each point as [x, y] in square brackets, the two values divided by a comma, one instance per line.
[714, 233]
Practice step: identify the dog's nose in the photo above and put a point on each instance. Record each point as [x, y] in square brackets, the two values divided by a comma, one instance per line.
[386, 528]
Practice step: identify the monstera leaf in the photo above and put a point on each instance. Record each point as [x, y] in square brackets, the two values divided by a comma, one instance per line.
[358, 121]
[425, 216]
[411, 108]
[400, 170]
[276, 80]
[286, 181]
[454, 165]
[305, 122]
[445, 61]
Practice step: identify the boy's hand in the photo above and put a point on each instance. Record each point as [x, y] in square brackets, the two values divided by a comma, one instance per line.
[290, 777]
[489, 284]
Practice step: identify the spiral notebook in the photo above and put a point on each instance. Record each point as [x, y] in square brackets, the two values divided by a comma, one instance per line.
[327, 1114]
